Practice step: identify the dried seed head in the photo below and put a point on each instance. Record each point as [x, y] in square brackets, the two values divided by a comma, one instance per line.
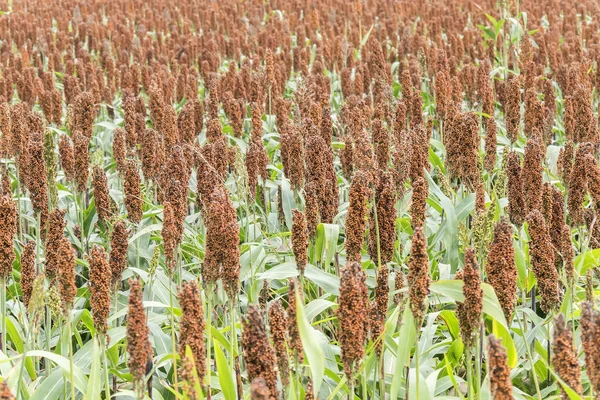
[532, 174]
[8, 230]
[66, 279]
[82, 159]
[119, 243]
[418, 276]
[516, 202]
[564, 357]
[256, 158]
[311, 208]
[170, 235]
[590, 337]
[469, 311]
[138, 343]
[277, 327]
[258, 353]
[192, 326]
[28, 272]
[293, 162]
[352, 316]
[51, 161]
[542, 261]
[356, 220]
[500, 383]
[490, 145]
[379, 307]
[565, 161]
[578, 184]
[99, 276]
[67, 157]
[512, 107]
[189, 377]
[461, 138]
[56, 228]
[299, 240]
[418, 206]
[501, 269]
[382, 228]
[295, 344]
[259, 390]
[101, 194]
[5, 393]
[119, 149]
[133, 192]
[152, 157]
[222, 255]
[37, 184]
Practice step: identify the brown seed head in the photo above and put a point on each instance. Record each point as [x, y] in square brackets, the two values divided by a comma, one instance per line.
[192, 326]
[66, 279]
[278, 329]
[8, 230]
[99, 282]
[590, 337]
[418, 206]
[418, 276]
[28, 272]
[120, 149]
[133, 192]
[352, 316]
[516, 202]
[356, 220]
[382, 234]
[499, 371]
[119, 243]
[222, 255]
[564, 357]
[542, 261]
[532, 174]
[67, 157]
[101, 194]
[501, 269]
[299, 240]
[258, 353]
[469, 311]
[138, 343]
[578, 184]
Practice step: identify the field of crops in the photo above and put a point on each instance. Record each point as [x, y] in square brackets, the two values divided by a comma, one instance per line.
[299, 199]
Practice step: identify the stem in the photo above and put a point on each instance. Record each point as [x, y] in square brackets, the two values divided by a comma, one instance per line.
[173, 340]
[69, 337]
[417, 362]
[208, 292]
[530, 358]
[103, 343]
[470, 388]
[3, 311]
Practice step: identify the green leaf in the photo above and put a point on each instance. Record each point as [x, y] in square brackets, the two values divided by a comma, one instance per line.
[327, 239]
[521, 263]
[449, 228]
[51, 387]
[312, 347]
[453, 290]
[81, 381]
[225, 375]
[405, 342]
[589, 259]
[511, 351]
[94, 387]
[287, 200]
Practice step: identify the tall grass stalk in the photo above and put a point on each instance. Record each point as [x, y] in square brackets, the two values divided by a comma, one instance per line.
[173, 339]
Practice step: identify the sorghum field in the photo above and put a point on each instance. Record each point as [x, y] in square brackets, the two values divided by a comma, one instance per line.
[299, 199]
